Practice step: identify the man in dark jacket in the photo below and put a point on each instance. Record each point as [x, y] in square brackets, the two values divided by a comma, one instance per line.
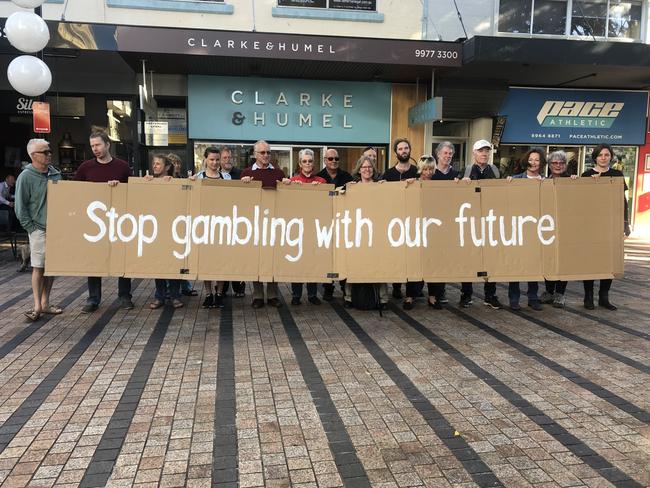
[228, 171]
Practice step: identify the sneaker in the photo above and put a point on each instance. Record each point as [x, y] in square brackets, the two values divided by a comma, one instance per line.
[492, 302]
[547, 297]
[443, 300]
[295, 301]
[89, 308]
[217, 301]
[127, 304]
[559, 300]
[514, 306]
[535, 306]
[314, 300]
[465, 301]
[209, 300]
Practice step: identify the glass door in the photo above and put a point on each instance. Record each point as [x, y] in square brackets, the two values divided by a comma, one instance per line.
[281, 158]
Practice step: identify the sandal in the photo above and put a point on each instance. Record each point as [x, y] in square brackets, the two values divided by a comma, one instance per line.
[52, 310]
[32, 315]
[176, 303]
[156, 304]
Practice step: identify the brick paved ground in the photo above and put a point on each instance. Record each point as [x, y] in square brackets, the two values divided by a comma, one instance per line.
[321, 396]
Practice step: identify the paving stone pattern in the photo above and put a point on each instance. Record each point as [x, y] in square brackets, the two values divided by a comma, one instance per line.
[324, 396]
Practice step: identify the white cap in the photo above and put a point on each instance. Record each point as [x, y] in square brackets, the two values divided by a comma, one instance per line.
[481, 144]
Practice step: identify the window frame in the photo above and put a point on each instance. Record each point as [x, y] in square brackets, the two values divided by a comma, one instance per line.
[567, 28]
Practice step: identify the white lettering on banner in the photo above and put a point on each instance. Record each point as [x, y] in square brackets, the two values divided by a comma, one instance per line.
[137, 226]
[324, 233]
[545, 223]
[349, 230]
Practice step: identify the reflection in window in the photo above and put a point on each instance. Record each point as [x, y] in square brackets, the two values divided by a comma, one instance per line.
[624, 20]
[119, 113]
[514, 16]
[588, 18]
[549, 17]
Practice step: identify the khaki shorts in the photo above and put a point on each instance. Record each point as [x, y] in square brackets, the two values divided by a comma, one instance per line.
[37, 248]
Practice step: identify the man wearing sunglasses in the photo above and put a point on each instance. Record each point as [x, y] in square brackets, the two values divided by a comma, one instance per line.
[31, 210]
[331, 172]
[334, 175]
[262, 170]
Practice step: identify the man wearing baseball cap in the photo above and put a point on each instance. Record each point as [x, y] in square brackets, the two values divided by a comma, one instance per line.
[481, 169]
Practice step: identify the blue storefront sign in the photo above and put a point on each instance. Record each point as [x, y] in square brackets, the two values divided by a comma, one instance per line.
[247, 109]
[579, 117]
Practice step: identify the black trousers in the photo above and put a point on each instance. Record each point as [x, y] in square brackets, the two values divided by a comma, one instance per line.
[603, 291]
[558, 286]
[489, 289]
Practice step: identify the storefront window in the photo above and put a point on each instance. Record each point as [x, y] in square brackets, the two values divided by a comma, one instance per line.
[366, 5]
[588, 18]
[118, 113]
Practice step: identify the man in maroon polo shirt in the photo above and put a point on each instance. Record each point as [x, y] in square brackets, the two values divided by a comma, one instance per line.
[262, 170]
[104, 168]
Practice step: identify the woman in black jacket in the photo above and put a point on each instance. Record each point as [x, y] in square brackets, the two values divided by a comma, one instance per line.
[602, 156]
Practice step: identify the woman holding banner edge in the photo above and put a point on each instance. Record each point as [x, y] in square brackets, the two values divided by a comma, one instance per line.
[365, 171]
[535, 162]
[162, 167]
[602, 156]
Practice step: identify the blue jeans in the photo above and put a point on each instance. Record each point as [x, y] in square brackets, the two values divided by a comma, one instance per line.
[296, 289]
[164, 286]
[514, 292]
[95, 289]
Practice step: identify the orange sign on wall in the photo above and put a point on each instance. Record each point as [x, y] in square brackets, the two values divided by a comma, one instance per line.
[41, 112]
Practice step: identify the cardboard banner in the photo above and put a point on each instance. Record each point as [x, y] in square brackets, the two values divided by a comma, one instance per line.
[494, 230]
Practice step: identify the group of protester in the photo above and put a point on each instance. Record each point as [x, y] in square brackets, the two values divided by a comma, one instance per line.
[31, 195]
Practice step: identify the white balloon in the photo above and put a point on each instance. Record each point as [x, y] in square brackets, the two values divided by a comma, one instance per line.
[29, 3]
[29, 75]
[27, 32]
